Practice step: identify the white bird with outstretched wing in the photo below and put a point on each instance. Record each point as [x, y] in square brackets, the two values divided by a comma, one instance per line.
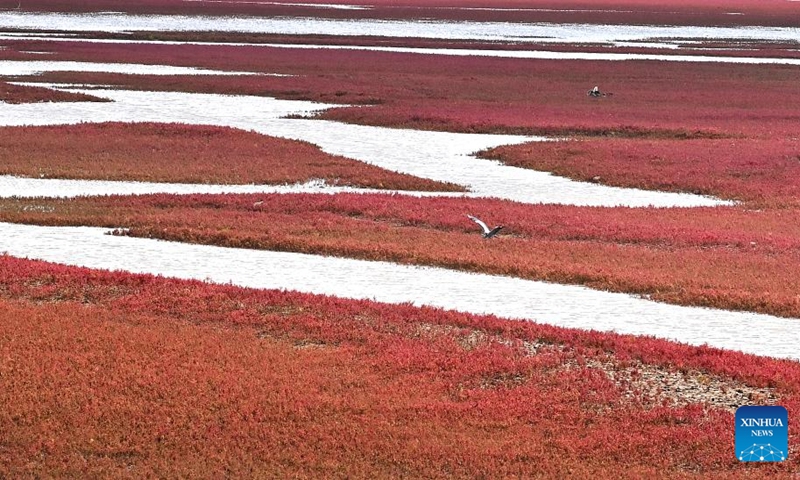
[487, 232]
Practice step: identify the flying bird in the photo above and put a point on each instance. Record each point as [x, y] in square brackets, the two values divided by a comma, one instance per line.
[487, 232]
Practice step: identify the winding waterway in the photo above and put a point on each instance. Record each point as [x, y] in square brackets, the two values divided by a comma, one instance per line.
[24, 187]
[441, 156]
[432, 29]
[562, 305]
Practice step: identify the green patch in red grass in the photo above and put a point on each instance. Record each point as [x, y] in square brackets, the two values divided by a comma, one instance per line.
[185, 154]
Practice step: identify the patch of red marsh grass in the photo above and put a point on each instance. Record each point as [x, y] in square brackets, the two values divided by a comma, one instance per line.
[549, 98]
[727, 258]
[184, 154]
[626, 12]
[485, 94]
[695, 47]
[310, 88]
[10, 93]
[636, 12]
[754, 170]
[109, 374]
[7, 53]
[742, 48]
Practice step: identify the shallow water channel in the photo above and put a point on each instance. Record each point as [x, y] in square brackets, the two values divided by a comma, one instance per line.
[433, 29]
[439, 156]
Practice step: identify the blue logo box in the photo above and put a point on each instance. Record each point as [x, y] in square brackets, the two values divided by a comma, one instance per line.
[762, 434]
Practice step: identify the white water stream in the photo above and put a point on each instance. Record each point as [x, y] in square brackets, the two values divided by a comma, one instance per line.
[433, 29]
[11, 67]
[23, 187]
[562, 305]
[439, 156]
[550, 55]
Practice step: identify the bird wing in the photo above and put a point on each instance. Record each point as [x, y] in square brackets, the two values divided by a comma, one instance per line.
[494, 231]
[479, 222]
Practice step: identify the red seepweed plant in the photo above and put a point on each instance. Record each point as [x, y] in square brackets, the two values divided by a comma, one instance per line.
[111, 374]
[185, 154]
[15, 94]
[761, 172]
[108, 374]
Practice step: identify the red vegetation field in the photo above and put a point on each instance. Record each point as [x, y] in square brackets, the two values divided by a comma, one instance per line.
[117, 375]
[759, 171]
[481, 94]
[549, 97]
[29, 94]
[184, 154]
[728, 258]
[110, 374]
[690, 47]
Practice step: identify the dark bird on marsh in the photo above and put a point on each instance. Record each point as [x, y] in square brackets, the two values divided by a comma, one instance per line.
[487, 232]
[595, 92]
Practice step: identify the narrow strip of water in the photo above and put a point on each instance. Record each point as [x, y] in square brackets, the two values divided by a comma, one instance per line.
[435, 29]
[562, 305]
[442, 156]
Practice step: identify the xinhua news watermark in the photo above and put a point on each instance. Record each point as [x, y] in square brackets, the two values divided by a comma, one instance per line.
[762, 434]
